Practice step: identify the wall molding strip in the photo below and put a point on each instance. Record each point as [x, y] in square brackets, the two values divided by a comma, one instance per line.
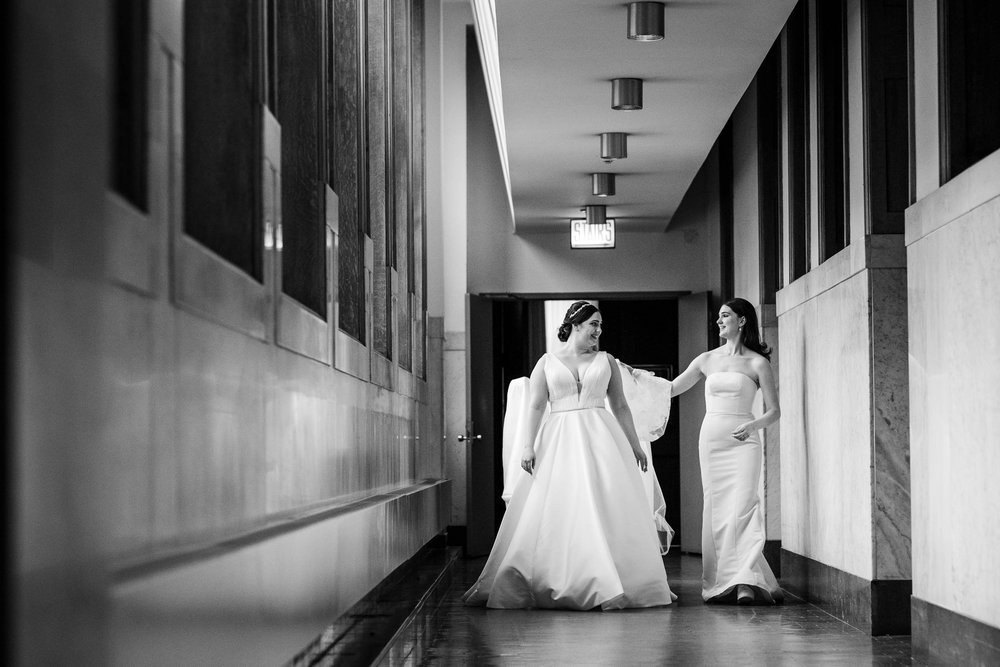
[260, 597]
[130, 569]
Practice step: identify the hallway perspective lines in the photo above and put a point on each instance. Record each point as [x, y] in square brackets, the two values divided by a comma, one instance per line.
[686, 633]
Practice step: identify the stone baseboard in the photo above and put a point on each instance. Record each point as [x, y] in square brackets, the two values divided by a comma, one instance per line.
[945, 637]
[879, 607]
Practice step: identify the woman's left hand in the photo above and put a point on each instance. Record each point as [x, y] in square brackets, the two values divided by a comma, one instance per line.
[743, 431]
[640, 458]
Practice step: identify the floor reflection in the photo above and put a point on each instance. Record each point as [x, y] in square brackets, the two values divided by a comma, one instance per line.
[687, 633]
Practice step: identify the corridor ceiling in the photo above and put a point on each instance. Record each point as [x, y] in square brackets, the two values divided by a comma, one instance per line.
[557, 59]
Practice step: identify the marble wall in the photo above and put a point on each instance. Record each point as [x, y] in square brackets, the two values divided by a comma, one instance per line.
[890, 405]
[825, 425]
[175, 434]
[844, 461]
[152, 437]
[952, 248]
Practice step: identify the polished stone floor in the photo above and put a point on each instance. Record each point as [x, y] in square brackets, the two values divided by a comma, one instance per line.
[392, 624]
[686, 633]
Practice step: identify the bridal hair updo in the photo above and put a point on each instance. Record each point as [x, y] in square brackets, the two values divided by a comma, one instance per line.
[751, 331]
[578, 313]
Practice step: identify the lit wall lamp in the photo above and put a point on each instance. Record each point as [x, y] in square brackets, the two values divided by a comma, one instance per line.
[614, 146]
[626, 94]
[597, 214]
[645, 21]
[603, 184]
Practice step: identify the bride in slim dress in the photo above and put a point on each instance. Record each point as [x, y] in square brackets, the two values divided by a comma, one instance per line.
[577, 533]
[732, 535]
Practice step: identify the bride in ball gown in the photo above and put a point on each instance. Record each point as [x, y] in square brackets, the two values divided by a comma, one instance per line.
[648, 398]
[732, 534]
[577, 532]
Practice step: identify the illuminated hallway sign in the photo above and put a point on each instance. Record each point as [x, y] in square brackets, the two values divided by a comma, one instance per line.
[589, 235]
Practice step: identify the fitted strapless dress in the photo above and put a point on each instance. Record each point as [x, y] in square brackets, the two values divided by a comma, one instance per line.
[732, 534]
[577, 533]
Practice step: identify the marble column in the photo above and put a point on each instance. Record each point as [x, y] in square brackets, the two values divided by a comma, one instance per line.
[890, 423]
[845, 507]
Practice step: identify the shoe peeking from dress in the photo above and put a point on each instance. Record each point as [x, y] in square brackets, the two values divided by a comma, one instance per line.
[744, 595]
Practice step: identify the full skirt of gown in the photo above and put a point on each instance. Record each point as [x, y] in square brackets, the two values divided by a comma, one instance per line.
[577, 533]
[648, 397]
[732, 534]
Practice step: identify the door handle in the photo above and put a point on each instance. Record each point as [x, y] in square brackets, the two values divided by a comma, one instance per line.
[464, 438]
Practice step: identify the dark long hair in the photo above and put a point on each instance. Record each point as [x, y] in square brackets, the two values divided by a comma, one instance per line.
[578, 313]
[751, 330]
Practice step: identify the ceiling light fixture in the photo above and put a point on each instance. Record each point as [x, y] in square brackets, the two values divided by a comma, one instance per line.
[603, 184]
[614, 146]
[597, 214]
[626, 94]
[645, 21]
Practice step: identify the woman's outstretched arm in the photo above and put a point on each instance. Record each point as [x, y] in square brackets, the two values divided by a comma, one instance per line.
[689, 377]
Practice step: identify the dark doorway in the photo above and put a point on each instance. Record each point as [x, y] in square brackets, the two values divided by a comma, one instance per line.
[519, 341]
[506, 337]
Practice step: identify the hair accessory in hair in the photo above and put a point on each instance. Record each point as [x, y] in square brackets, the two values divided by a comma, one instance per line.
[570, 316]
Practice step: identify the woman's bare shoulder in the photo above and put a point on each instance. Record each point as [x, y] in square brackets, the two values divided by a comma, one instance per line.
[540, 364]
[708, 357]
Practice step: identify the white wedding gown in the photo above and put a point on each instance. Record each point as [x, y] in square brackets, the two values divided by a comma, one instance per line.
[648, 397]
[732, 534]
[577, 533]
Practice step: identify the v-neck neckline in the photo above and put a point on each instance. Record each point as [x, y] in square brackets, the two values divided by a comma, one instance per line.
[577, 379]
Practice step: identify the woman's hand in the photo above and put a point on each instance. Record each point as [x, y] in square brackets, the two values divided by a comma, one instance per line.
[640, 458]
[744, 431]
[528, 459]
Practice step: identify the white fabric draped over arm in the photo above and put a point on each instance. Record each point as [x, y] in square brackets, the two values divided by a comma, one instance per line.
[648, 397]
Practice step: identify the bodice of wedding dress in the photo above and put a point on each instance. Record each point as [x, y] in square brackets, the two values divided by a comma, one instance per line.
[648, 397]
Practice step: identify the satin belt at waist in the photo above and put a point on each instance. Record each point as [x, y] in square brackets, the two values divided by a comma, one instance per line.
[728, 414]
[577, 409]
